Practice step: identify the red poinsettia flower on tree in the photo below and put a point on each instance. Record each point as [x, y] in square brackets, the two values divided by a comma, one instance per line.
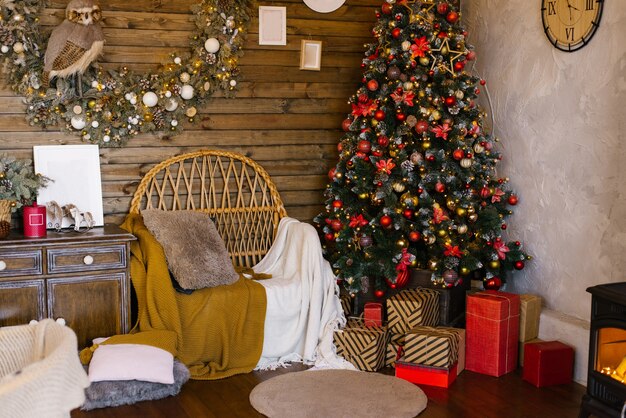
[357, 220]
[441, 131]
[501, 249]
[497, 196]
[364, 106]
[439, 215]
[406, 97]
[385, 166]
[452, 251]
[420, 47]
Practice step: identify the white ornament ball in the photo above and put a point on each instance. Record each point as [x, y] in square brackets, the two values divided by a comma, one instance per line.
[128, 96]
[18, 47]
[150, 99]
[466, 162]
[106, 138]
[212, 45]
[406, 45]
[168, 94]
[77, 110]
[78, 123]
[94, 84]
[174, 122]
[187, 92]
[171, 105]
[232, 83]
[185, 77]
[87, 137]
[4, 49]
[95, 123]
[207, 86]
[133, 100]
[177, 60]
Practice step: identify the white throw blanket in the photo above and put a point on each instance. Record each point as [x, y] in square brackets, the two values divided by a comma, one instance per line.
[303, 307]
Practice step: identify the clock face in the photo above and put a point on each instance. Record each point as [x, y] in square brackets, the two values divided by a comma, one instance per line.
[570, 24]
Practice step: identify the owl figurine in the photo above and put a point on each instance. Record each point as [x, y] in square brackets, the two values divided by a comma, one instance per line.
[75, 43]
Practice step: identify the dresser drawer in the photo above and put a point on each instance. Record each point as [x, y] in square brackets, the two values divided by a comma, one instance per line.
[77, 259]
[22, 263]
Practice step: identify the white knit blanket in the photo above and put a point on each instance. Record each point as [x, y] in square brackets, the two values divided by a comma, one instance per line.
[40, 373]
[303, 307]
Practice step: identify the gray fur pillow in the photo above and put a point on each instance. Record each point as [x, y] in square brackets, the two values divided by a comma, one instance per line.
[195, 252]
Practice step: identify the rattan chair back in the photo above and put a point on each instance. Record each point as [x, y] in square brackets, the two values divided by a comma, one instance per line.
[234, 190]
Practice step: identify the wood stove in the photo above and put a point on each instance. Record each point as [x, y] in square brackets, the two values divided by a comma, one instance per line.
[606, 378]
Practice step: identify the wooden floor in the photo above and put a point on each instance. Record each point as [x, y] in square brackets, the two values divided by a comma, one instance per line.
[471, 396]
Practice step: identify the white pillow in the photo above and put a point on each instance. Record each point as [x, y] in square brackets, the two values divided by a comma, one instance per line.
[131, 362]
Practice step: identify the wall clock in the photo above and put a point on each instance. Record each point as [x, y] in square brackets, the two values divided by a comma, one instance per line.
[324, 6]
[570, 24]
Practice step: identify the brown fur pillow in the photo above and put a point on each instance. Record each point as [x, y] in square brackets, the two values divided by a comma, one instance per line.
[195, 252]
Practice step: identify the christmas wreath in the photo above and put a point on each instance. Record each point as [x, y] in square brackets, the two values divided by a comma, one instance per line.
[117, 105]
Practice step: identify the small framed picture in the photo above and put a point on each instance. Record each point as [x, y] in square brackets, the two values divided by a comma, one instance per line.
[272, 25]
[311, 55]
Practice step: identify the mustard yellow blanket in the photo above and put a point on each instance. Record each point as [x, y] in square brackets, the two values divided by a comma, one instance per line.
[217, 332]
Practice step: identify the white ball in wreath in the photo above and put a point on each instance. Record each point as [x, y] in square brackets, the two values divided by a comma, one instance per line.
[150, 99]
[171, 105]
[212, 45]
[232, 83]
[187, 92]
[4, 49]
[185, 77]
[18, 47]
[78, 123]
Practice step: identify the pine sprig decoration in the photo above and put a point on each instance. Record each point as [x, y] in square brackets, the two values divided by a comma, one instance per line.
[18, 181]
[111, 109]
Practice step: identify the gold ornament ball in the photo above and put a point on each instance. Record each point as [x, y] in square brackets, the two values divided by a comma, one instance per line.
[433, 265]
[393, 153]
[148, 117]
[91, 104]
[363, 196]
[402, 243]
[442, 233]
[494, 264]
[398, 187]
[424, 61]
[425, 145]
[472, 218]
[451, 204]
[436, 115]
[461, 211]
[13, 204]
[471, 210]
[464, 271]
[2, 175]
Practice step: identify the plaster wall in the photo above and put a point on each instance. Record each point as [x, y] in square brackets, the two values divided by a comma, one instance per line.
[561, 120]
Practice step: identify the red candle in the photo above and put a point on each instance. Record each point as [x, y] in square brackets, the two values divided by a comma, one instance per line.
[34, 221]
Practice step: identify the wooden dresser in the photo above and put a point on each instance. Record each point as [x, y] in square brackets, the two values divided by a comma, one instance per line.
[82, 277]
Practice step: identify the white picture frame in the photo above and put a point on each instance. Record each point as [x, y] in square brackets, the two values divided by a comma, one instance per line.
[310, 55]
[272, 25]
[75, 171]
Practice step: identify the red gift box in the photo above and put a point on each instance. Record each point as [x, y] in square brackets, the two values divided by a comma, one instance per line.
[441, 377]
[492, 332]
[548, 363]
[373, 314]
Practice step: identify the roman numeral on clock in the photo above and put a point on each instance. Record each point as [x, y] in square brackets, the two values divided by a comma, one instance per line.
[589, 5]
[551, 8]
[569, 34]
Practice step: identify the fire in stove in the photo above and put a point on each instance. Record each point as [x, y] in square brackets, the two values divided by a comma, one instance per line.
[611, 359]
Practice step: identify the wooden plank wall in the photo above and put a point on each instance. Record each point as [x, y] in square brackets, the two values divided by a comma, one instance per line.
[287, 119]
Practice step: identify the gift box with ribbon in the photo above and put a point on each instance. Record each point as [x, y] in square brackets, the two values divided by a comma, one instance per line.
[411, 308]
[530, 309]
[432, 346]
[364, 346]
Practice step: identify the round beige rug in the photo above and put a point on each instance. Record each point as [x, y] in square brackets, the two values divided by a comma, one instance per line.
[337, 393]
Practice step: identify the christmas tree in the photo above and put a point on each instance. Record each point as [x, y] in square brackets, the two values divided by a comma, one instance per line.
[415, 185]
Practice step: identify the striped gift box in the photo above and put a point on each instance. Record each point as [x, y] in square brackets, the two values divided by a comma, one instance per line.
[346, 304]
[411, 308]
[363, 346]
[394, 349]
[431, 346]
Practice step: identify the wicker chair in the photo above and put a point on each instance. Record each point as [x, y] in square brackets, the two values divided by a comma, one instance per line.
[235, 191]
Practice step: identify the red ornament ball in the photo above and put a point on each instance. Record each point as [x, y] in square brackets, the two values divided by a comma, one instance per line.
[450, 101]
[518, 265]
[430, 157]
[385, 221]
[459, 66]
[372, 85]
[421, 126]
[379, 293]
[364, 146]
[440, 187]
[407, 213]
[452, 17]
[386, 8]
[503, 227]
[379, 115]
[512, 200]
[402, 279]
[442, 8]
[471, 55]
[483, 82]
[396, 32]
[383, 141]
[336, 225]
[331, 173]
[458, 154]
[346, 124]
[442, 35]
[495, 283]
[329, 237]
[414, 236]
[391, 284]
[400, 116]
[337, 204]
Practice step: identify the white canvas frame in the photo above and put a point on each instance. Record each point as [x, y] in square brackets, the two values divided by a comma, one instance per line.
[272, 25]
[311, 55]
[75, 171]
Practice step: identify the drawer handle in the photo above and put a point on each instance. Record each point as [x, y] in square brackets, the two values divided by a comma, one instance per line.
[3, 265]
[88, 260]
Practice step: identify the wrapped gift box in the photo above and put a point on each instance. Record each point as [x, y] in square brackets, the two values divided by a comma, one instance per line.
[373, 314]
[530, 309]
[548, 363]
[346, 304]
[363, 346]
[492, 332]
[431, 346]
[521, 349]
[461, 363]
[451, 300]
[426, 375]
[411, 308]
